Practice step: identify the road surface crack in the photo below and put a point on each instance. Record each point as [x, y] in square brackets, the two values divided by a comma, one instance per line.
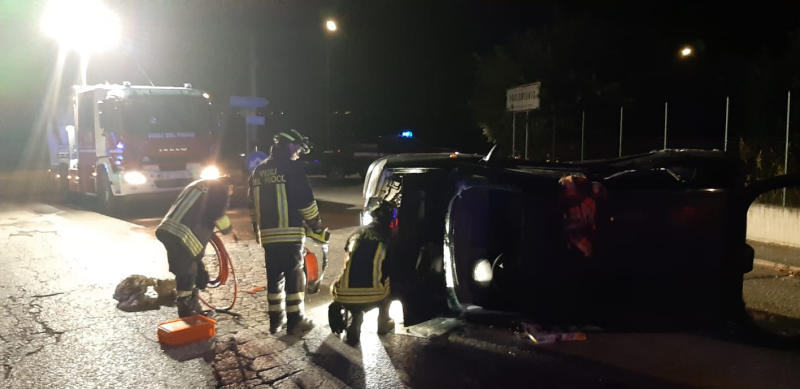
[29, 353]
[47, 295]
[7, 371]
[282, 377]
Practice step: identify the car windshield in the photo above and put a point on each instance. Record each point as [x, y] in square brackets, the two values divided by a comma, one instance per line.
[167, 116]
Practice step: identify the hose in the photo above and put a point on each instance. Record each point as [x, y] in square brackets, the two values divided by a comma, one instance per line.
[225, 269]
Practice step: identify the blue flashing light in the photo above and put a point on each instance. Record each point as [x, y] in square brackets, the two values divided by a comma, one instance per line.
[118, 163]
[121, 146]
[406, 134]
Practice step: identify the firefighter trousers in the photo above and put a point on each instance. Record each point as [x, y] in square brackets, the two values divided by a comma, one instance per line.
[285, 279]
[357, 311]
[190, 272]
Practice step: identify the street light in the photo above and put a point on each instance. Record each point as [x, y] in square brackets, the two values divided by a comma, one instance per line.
[81, 25]
[85, 26]
[686, 51]
[331, 26]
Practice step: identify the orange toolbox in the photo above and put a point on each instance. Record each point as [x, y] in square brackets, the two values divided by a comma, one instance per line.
[187, 330]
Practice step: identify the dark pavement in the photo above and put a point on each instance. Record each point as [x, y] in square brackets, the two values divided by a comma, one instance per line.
[60, 326]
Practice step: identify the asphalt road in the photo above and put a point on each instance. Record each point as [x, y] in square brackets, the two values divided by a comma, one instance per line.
[60, 327]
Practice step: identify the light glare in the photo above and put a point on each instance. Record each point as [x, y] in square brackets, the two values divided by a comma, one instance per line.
[331, 25]
[82, 25]
[210, 173]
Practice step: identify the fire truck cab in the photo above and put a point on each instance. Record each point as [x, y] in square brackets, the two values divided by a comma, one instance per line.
[136, 141]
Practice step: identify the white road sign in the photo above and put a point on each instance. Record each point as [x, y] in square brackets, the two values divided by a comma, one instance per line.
[523, 97]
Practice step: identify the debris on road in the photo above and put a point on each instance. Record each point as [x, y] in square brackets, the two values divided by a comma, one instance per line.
[537, 335]
[139, 293]
[256, 290]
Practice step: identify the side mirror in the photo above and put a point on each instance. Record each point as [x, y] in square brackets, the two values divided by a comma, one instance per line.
[108, 115]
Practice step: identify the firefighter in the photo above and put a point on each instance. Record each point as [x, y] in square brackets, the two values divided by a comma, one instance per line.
[364, 284]
[283, 208]
[185, 232]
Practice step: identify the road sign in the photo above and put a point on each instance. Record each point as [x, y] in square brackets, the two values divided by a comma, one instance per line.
[248, 102]
[254, 159]
[255, 120]
[523, 98]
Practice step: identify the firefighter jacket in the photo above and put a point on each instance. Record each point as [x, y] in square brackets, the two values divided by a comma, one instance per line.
[192, 218]
[365, 279]
[281, 199]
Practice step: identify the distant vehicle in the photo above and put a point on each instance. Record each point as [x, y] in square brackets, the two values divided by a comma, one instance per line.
[662, 246]
[126, 141]
[356, 158]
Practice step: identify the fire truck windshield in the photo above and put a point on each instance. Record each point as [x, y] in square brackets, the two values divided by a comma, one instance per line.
[164, 116]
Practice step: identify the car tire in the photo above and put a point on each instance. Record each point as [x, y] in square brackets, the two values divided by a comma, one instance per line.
[336, 173]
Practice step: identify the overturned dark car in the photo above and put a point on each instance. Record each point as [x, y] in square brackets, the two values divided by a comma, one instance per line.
[652, 241]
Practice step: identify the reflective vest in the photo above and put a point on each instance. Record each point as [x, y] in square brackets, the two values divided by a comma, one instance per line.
[280, 199]
[200, 207]
[364, 279]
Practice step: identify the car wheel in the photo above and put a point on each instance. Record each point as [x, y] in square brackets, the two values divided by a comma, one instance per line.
[336, 173]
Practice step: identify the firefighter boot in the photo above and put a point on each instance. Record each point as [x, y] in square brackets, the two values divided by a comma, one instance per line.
[354, 329]
[188, 303]
[385, 323]
[298, 324]
[276, 321]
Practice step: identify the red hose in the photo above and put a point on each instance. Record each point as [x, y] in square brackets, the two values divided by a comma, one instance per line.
[225, 266]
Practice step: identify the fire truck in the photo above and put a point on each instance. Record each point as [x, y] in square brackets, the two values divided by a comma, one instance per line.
[132, 142]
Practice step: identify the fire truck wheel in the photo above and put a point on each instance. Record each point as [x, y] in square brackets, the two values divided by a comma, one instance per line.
[105, 200]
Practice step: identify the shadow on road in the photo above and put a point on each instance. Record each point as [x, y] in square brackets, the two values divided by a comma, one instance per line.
[338, 215]
[455, 361]
[191, 351]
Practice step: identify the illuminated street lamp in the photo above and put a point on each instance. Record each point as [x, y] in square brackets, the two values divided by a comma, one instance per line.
[331, 26]
[85, 26]
[686, 51]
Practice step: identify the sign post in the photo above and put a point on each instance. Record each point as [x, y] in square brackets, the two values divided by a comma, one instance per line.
[250, 104]
[523, 98]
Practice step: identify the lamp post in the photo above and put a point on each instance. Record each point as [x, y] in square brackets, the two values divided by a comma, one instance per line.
[331, 27]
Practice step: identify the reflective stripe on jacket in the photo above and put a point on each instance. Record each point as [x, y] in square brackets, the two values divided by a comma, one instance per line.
[364, 279]
[200, 207]
[281, 199]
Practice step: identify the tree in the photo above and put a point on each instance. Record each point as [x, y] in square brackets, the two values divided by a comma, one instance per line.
[568, 56]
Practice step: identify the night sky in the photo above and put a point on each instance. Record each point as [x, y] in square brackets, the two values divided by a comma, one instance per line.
[395, 65]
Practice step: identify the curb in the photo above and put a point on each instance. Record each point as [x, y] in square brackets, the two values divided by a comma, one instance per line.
[777, 266]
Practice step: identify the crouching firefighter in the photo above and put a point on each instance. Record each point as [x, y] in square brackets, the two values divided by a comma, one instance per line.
[282, 207]
[364, 284]
[185, 232]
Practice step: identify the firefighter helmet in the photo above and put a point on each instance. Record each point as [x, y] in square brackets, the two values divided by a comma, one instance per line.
[296, 138]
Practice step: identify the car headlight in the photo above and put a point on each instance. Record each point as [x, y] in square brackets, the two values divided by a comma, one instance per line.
[366, 219]
[134, 178]
[482, 272]
[210, 173]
